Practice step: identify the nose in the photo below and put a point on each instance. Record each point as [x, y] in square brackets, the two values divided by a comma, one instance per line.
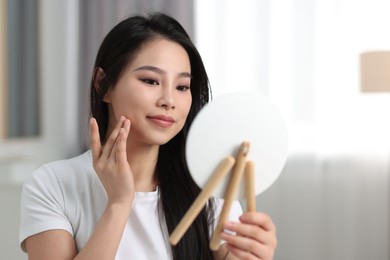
[166, 99]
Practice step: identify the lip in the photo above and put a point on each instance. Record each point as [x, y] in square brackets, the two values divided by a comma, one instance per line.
[162, 120]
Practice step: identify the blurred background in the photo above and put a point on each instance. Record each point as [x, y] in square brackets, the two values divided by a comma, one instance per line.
[331, 200]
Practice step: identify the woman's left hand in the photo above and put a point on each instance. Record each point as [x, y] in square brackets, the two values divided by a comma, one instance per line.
[255, 236]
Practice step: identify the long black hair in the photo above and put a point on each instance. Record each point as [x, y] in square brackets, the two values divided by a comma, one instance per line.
[176, 186]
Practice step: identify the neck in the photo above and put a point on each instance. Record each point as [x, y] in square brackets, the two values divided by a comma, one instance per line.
[143, 159]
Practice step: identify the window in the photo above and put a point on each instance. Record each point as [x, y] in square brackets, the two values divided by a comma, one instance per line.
[41, 124]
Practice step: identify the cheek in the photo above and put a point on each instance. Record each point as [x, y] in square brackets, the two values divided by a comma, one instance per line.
[121, 107]
[187, 105]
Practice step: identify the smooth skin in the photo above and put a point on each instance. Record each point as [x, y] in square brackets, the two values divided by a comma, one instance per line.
[147, 107]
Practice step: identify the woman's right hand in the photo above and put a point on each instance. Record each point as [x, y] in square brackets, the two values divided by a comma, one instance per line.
[111, 164]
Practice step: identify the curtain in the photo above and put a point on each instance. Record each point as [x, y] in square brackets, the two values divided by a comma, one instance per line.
[332, 198]
[330, 208]
[23, 90]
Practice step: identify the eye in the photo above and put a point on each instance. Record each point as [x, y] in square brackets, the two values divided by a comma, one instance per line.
[183, 88]
[150, 81]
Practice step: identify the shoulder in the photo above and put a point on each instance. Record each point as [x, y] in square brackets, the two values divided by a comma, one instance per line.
[64, 169]
[62, 175]
[52, 195]
[81, 162]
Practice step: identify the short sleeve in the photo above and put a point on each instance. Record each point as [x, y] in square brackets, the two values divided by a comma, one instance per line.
[42, 205]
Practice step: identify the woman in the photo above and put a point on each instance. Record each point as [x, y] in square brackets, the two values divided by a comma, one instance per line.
[123, 198]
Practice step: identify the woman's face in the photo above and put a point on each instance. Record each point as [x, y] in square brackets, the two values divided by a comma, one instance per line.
[153, 93]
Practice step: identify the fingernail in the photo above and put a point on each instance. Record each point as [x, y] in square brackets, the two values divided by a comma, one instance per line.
[229, 224]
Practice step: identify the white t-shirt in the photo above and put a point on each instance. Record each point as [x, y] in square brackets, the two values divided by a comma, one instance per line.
[68, 195]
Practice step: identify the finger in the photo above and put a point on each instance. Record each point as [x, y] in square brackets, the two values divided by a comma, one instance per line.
[240, 254]
[260, 252]
[121, 154]
[251, 231]
[96, 146]
[119, 146]
[258, 219]
[246, 248]
[107, 149]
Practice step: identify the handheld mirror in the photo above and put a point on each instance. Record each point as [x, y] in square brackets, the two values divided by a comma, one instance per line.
[245, 125]
[223, 124]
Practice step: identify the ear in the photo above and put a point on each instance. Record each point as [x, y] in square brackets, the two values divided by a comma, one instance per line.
[97, 79]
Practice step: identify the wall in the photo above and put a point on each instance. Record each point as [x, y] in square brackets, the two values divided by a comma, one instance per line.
[330, 208]
[58, 39]
[9, 221]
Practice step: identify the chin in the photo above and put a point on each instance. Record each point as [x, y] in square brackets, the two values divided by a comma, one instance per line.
[163, 140]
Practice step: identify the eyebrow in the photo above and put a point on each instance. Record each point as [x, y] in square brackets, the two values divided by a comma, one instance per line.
[160, 71]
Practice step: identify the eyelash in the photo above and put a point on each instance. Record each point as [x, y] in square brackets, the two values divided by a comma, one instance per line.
[150, 81]
[155, 82]
[183, 88]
